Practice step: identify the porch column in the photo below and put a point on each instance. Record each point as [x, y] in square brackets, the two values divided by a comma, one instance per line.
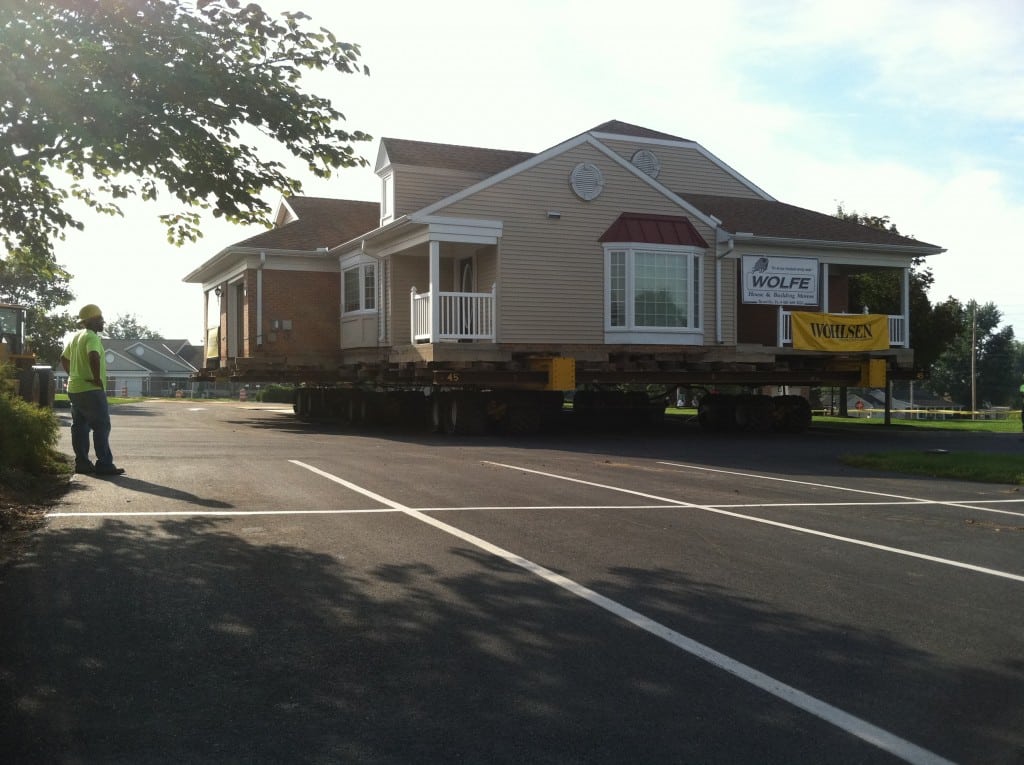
[905, 299]
[824, 294]
[435, 290]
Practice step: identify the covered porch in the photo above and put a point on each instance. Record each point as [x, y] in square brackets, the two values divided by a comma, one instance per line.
[452, 316]
[441, 280]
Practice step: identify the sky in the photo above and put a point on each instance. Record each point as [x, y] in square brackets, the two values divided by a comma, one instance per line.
[911, 109]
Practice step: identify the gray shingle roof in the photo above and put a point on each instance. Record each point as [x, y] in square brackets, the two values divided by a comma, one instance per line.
[633, 131]
[322, 222]
[452, 157]
[768, 218]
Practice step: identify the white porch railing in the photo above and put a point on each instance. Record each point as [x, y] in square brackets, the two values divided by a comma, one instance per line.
[461, 316]
[897, 329]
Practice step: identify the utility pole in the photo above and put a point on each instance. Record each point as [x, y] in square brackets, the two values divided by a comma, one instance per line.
[974, 352]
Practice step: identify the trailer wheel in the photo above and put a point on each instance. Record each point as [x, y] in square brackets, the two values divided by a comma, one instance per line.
[466, 415]
[302, 403]
[754, 413]
[357, 411]
[792, 413]
[524, 420]
[717, 411]
[438, 412]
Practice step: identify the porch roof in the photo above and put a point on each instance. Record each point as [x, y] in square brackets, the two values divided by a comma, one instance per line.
[769, 218]
[654, 229]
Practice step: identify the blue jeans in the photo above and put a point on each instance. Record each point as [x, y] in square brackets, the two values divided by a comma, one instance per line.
[89, 412]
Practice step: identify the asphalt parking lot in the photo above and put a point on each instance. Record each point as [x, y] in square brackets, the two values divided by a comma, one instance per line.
[256, 589]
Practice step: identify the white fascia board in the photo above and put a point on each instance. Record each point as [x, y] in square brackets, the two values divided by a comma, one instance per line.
[418, 228]
[836, 253]
[689, 145]
[286, 205]
[230, 262]
[383, 161]
[445, 229]
[912, 250]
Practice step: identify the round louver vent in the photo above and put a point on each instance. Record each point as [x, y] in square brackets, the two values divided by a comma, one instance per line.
[647, 161]
[586, 181]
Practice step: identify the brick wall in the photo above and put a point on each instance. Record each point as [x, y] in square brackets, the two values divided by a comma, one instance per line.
[310, 300]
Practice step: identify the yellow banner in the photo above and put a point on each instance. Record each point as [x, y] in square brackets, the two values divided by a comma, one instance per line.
[834, 332]
[213, 343]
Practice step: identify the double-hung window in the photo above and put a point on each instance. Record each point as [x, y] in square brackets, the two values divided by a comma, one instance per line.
[652, 294]
[359, 287]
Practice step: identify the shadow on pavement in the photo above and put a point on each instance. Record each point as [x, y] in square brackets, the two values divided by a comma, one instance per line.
[181, 642]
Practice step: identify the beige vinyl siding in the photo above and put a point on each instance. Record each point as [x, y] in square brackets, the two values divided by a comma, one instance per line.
[417, 187]
[687, 170]
[551, 272]
[406, 272]
[486, 268]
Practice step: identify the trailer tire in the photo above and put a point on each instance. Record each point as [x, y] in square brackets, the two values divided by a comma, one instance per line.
[755, 413]
[438, 412]
[523, 420]
[466, 415]
[302, 404]
[717, 411]
[792, 413]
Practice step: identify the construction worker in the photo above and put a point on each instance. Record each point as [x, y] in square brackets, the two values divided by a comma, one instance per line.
[83, 360]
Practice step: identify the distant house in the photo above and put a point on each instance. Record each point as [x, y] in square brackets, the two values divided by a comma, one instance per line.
[923, 407]
[146, 367]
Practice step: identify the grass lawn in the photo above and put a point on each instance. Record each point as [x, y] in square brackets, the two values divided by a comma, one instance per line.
[963, 466]
[1010, 425]
[966, 466]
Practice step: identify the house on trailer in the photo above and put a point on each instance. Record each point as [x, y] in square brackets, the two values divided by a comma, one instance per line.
[622, 247]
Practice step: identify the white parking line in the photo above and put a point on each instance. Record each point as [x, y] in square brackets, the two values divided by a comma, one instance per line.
[911, 500]
[872, 734]
[778, 524]
[349, 511]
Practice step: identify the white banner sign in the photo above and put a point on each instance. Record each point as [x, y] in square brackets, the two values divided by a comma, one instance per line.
[780, 281]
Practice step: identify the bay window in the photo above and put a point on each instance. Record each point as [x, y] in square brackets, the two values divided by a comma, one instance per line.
[652, 293]
[359, 287]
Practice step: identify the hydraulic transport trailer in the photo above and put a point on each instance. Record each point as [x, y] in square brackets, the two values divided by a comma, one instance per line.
[522, 396]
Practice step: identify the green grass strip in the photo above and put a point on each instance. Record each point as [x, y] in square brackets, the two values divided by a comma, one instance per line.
[966, 466]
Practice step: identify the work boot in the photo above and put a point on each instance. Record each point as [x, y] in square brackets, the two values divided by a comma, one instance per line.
[108, 470]
[84, 467]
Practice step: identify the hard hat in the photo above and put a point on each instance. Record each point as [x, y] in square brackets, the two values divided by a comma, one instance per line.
[89, 312]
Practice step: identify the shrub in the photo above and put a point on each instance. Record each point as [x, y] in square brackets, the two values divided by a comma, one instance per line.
[277, 394]
[28, 435]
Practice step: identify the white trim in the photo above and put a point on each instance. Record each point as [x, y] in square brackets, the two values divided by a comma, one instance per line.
[692, 334]
[906, 249]
[360, 264]
[387, 196]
